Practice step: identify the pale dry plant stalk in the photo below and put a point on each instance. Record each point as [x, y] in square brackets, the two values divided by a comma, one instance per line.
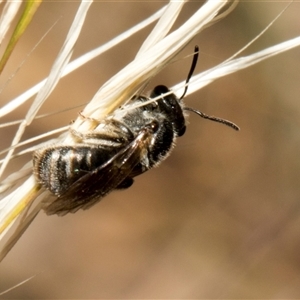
[19, 207]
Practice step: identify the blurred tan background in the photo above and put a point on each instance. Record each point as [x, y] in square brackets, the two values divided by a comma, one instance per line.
[221, 217]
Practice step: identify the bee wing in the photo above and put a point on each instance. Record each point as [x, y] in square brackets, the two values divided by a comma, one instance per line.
[94, 185]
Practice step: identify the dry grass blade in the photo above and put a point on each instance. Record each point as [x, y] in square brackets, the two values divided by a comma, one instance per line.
[8, 14]
[232, 66]
[25, 19]
[78, 62]
[162, 27]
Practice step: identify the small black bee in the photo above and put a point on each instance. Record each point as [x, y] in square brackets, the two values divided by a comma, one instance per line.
[123, 146]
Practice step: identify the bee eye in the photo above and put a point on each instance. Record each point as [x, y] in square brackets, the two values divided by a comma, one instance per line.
[160, 89]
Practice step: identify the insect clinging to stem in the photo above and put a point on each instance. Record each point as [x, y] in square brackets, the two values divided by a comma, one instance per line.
[123, 145]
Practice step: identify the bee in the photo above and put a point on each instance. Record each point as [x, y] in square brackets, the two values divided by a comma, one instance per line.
[123, 146]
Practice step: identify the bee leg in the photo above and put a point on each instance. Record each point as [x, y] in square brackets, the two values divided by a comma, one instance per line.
[125, 184]
[77, 135]
[91, 121]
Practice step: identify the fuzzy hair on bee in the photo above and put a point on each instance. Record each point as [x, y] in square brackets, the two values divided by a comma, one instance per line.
[123, 145]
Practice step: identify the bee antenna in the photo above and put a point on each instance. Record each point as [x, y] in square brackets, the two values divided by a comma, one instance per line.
[192, 69]
[212, 118]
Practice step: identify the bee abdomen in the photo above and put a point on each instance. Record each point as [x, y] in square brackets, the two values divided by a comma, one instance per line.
[57, 168]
